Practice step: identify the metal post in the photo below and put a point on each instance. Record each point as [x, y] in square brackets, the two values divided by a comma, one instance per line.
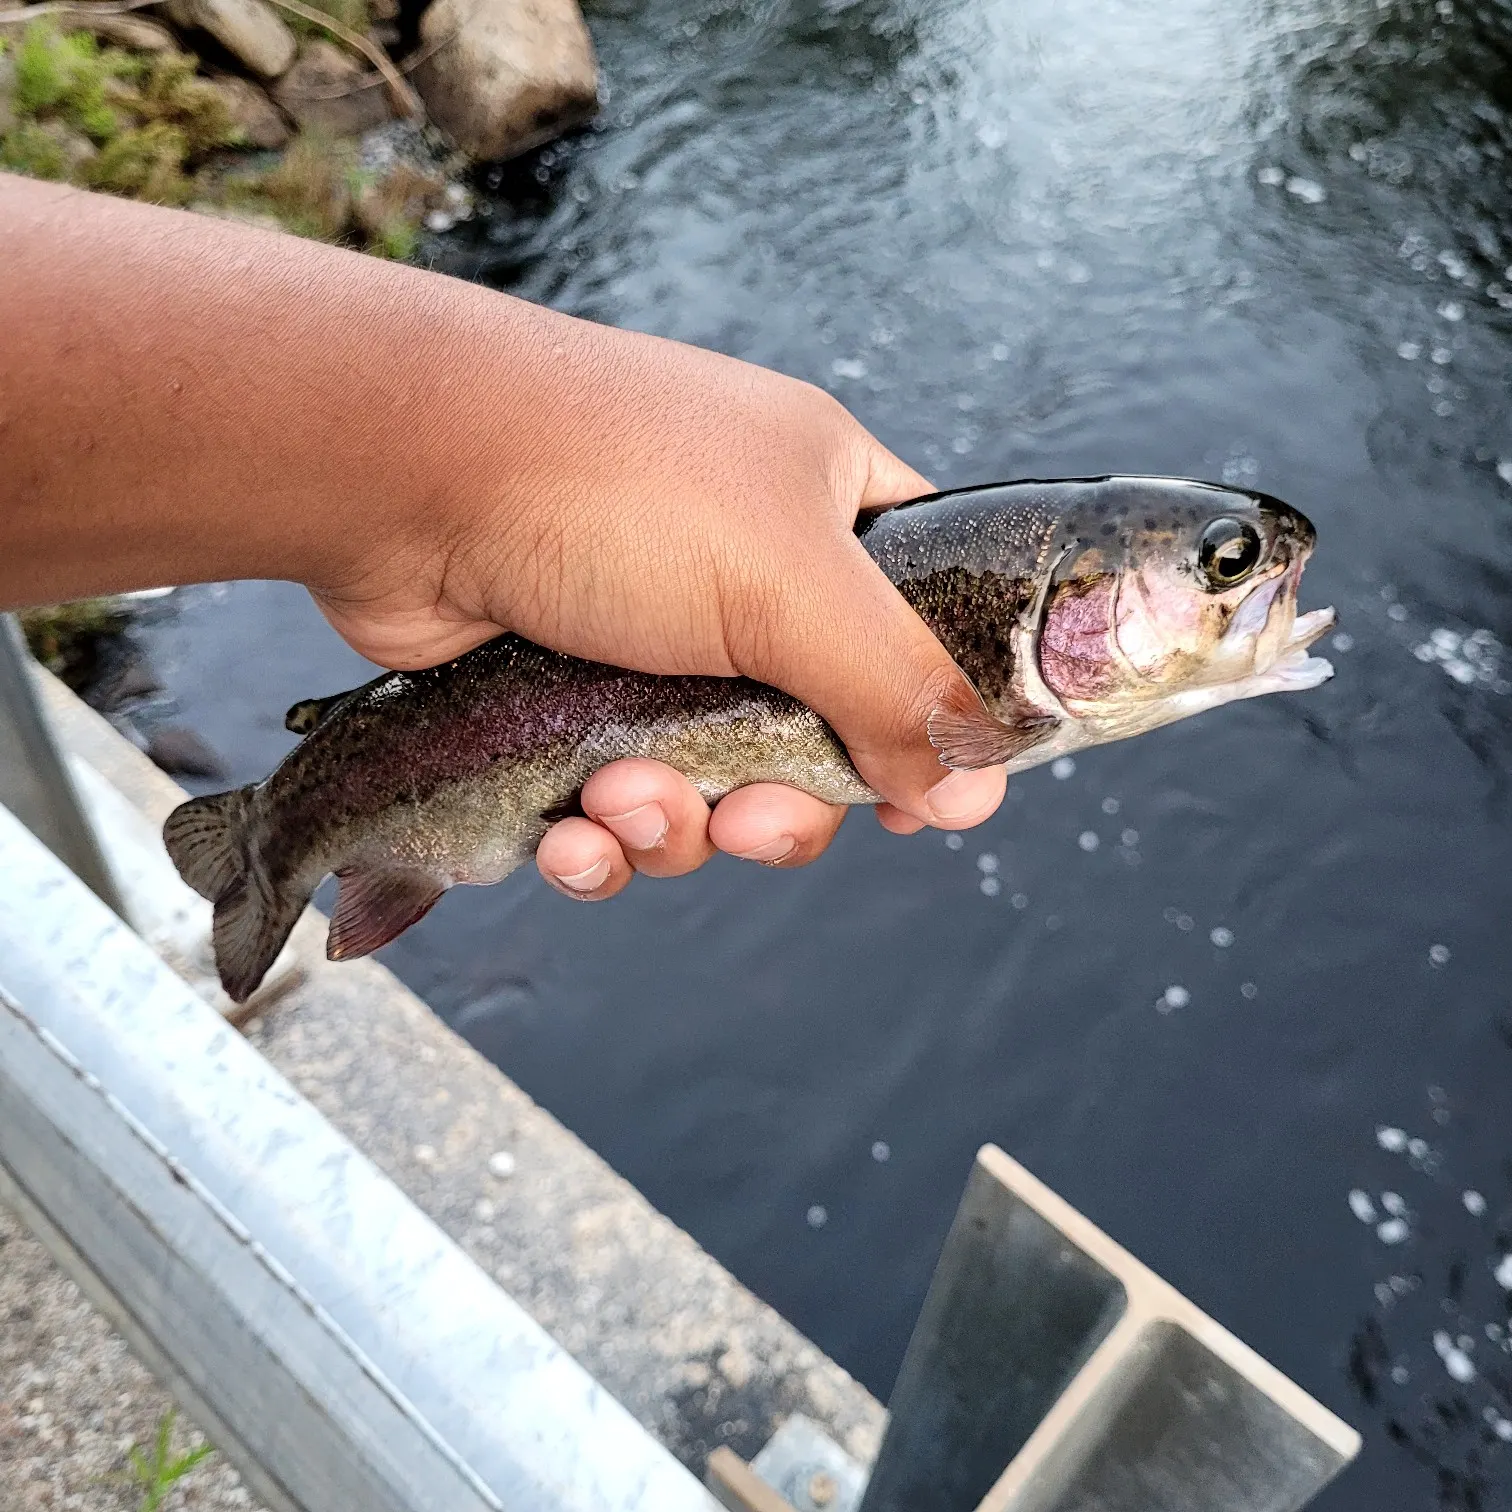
[1051, 1372]
[34, 781]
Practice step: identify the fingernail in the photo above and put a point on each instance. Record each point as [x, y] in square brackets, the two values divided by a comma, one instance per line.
[779, 848]
[961, 795]
[587, 881]
[642, 829]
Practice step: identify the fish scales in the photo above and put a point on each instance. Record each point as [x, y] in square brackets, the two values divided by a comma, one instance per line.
[1081, 610]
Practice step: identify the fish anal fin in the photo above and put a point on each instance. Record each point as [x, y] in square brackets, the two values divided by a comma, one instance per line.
[968, 737]
[375, 905]
[309, 712]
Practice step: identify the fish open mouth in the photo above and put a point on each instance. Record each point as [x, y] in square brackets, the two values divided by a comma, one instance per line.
[1282, 662]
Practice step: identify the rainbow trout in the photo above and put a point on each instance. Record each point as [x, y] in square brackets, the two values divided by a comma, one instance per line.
[1083, 611]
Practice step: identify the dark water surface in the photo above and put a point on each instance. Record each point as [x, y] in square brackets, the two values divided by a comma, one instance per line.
[1267, 243]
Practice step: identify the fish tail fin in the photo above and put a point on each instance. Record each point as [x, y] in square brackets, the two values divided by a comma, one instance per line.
[209, 841]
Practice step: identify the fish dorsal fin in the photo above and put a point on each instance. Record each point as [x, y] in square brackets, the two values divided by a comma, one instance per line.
[309, 712]
[374, 906]
[968, 737]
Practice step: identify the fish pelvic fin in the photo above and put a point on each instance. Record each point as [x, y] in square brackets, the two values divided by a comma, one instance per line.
[206, 838]
[209, 843]
[378, 904]
[968, 737]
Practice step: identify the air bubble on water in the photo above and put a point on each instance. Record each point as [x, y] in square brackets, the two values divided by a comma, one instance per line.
[1221, 936]
[1307, 190]
[1442, 356]
[1503, 1273]
[501, 1164]
[1343, 641]
[1439, 954]
[1394, 1204]
[848, 367]
[1459, 1365]
[1502, 1428]
[1475, 1203]
[1391, 1139]
[1110, 805]
[990, 886]
[1173, 997]
[1409, 351]
[1271, 177]
[1130, 838]
[1417, 1149]
[999, 351]
[1446, 640]
[1062, 767]
[1185, 922]
[987, 863]
[1425, 653]
[1392, 1231]
[817, 1216]
[881, 1152]
[1361, 1206]
[1436, 383]
[1088, 840]
[1443, 409]
[1249, 990]
[961, 445]
[1451, 310]
[1504, 469]
[1399, 1375]
[1397, 612]
[1450, 261]
[1053, 922]
[1020, 900]
[954, 842]
[1170, 914]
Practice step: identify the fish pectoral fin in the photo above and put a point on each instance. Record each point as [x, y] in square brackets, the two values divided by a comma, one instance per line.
[968, 737]
[376, 905]
[309, 712]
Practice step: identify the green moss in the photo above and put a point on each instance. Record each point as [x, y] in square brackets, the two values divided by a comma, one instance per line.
[31, 148]
[310, 188]
[170, 92]
[397, 240]
[65, 637]
[69, 77]
[146, 162]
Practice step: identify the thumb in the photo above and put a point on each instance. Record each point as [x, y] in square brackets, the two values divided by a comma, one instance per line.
[839, 637]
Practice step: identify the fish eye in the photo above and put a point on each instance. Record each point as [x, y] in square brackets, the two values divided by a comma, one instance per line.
[1229, 552]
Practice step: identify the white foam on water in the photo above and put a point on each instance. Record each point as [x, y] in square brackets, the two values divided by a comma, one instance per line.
[1221, 936]
[1110, 805]
[817, 1216]
[881, 1152]
[1475, 1204]
[1451, 310]
[1439, 954]
[954, 842]
[1343, 641]
[1393, 1140]
[1175, 996]
[1361, 1206]
[1460, 1366]
[1394, 1204]
[987, 863]
[1400, 1375]
[1306, 190]
[1129, 838]
[1503, 1273]
[1088, 840]
[1062, 767]
[1273, 178]
[1417, 1148]
[1504, 469]
[1392, 1231]
[1185, 923]
[990, 886]
[1248, 990]
[1020, 900]
[501, 1164]
[1409, 351]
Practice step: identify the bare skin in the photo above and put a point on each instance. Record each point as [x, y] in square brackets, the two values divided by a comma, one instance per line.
[185, 400]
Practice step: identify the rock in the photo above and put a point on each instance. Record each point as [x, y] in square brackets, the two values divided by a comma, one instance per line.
[260, 122]
[182, 753]
[251, 29]
[135, 32]
[506, 75]
[329, 90]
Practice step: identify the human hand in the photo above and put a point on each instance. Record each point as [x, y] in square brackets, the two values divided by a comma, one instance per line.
[652, 505]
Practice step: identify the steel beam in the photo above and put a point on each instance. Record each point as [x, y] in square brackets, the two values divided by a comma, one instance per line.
[333, 1342]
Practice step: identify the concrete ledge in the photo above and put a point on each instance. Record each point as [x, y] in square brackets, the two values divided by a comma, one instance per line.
[659, 1323]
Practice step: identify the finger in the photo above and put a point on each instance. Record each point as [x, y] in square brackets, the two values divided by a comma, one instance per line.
[890, 480]
[656, 814]
[776, 825]
[896, 821]
[839, 637]
[582, 860]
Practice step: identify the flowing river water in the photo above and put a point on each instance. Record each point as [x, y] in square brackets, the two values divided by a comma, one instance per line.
[1239, 989]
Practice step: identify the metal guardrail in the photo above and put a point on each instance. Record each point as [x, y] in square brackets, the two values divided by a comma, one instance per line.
[329, 1338]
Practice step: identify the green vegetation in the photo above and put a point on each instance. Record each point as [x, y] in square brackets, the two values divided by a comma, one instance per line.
[156, 1476]
[65, 638]
[352, 14]
[146, 126]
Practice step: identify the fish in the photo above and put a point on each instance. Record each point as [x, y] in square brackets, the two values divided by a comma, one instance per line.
[1081, 611]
